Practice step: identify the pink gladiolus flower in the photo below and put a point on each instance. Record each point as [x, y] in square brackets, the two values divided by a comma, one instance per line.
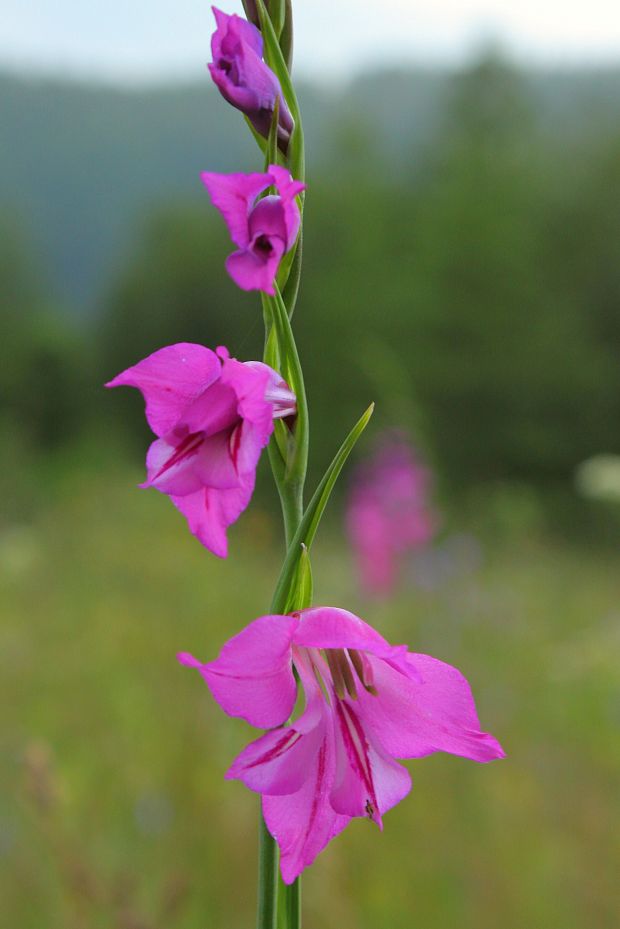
[243, 78]
[212, 416]
[366, 703]
[389, 513]
[264, 230]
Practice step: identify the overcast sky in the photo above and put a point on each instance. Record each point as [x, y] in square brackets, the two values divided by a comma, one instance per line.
[155, 39]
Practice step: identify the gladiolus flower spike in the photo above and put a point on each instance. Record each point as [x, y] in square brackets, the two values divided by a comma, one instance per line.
[366, 704]
[212, 416]
[264, 230]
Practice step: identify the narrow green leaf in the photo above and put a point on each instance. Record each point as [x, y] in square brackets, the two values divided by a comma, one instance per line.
[304, 536]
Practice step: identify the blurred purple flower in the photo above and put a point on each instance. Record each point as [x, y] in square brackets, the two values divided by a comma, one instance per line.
[389, 513]
[264, 230]
[367, 703]
[212, 416]
[243, 78]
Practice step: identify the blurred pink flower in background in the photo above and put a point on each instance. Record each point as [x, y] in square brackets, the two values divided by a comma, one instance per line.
[389, 512]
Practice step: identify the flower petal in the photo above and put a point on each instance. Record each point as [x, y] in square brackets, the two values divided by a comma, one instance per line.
[303, 823]
[267, 218]
[252, 677]
[280, 761]
[250, 386]
[278, 393]
[169, 380]
[329, 627]
[250, 271]
[170, 468]
[232, 29]
[214, 410]
[288, 190]
[234, 195]
[209, 512]
[196, 462]
[368, 781]
[432, 710]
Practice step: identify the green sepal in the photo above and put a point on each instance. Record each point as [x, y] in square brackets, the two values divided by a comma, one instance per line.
[304, 536]
[289, 274]
[290, 368]
[271, 354]
[300, 591]
[258, 138]
[277, 15]
[250, 11]
[286, 36]
[271, 149]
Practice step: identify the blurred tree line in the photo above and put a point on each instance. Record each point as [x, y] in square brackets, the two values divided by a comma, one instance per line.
[475, 299]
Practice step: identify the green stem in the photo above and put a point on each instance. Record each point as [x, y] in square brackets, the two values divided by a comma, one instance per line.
[269, 881]
[292, 903]
[290, 488]
[267, 914]
[288, 461]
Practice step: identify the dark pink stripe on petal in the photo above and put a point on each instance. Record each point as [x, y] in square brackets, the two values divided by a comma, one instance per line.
[286, 742]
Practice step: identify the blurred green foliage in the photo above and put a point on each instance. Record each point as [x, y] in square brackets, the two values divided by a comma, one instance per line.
[475, 297]
[114, 810]
[471, 286]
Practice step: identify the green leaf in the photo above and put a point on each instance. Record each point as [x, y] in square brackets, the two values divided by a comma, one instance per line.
[304, 536]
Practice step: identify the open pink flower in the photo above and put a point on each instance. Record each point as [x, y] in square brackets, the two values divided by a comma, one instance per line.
[389, 513]
[367, 703]
[243, 78]
[264, 230]
[212, 416]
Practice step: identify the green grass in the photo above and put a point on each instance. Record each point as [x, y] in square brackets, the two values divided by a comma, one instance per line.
[113, 807]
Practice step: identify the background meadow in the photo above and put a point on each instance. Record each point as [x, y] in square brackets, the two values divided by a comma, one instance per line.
[462, 270]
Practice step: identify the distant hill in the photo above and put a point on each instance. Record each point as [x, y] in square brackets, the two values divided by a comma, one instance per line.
[80, 164]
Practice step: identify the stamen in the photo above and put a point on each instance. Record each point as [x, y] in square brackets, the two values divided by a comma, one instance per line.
[321, 683]
[358, 663]
[334, 666]
[349, 680]
[342, 676]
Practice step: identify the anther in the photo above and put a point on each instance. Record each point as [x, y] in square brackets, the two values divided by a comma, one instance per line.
[358, 663]
[334, 666]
